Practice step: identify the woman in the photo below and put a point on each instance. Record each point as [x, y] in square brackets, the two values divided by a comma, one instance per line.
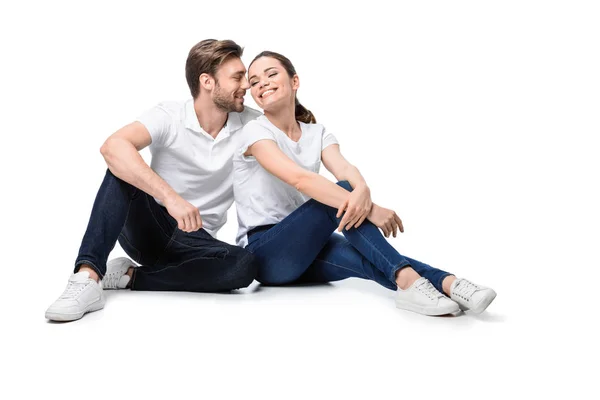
[288, 213]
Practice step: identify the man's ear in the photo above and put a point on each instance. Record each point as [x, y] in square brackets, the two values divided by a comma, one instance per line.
[207, 82]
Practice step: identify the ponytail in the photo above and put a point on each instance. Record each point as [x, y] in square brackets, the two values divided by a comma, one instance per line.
[303, 114]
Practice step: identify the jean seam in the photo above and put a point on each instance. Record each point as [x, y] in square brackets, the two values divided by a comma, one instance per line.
[138, 253]
[337, 265]
[180, 264]
[156, 220]
[379, 251]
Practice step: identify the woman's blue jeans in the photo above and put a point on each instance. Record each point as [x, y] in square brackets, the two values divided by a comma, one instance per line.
[303, 248]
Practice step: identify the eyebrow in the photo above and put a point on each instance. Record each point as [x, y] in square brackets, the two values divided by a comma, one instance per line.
[254, 76]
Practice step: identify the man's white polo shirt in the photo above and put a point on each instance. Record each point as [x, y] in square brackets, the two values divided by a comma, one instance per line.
[198, 167]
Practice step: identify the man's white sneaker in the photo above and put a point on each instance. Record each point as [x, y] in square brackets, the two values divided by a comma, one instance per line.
[83, 294]
[423, 298]
[116, 273]
[470, 296]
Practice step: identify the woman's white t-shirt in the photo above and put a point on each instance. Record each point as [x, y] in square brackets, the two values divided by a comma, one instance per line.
[262, 198]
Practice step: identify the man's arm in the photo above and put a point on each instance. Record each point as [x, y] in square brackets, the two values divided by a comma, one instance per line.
[121, 153]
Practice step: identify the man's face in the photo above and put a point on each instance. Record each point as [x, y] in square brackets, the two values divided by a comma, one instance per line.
[230, 85]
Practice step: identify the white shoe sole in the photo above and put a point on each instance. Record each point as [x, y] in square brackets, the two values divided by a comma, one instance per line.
[65, 317]
[450, 309]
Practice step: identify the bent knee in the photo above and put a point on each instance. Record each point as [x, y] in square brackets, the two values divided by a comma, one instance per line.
[245, 269]
[345, 185]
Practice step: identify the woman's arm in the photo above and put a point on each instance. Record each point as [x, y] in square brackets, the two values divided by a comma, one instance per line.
[335, 163]
[385, 219]
[360, 199]
[271, 158]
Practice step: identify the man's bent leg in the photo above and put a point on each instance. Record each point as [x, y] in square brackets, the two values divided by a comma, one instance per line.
[108, 216]
[197, 262]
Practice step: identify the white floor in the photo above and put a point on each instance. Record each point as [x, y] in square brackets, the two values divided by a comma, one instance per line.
[325, 341]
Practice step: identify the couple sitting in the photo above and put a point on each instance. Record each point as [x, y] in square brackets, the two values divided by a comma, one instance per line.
[208, 152]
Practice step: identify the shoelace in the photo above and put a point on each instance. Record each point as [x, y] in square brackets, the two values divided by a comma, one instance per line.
[429, 290]
[73, 288]
[465, 288]
[111, 280]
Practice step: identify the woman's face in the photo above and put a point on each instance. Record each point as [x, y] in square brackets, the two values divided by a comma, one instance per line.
[270, 85]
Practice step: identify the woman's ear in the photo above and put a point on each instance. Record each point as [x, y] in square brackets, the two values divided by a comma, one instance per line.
[295, 82]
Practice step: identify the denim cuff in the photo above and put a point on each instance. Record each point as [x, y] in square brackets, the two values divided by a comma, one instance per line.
[397, 268]
[91, 264]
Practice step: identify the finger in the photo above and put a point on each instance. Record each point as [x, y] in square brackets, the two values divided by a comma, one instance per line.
[187, 223]
[198, 220]
[399, 221]
[194, 223]
[352, 222]
[344, 221]
[347, 217]
[180, 223]
[394, 227]
[388, 226]
[384, 230]
[342, 208]
[361, 220]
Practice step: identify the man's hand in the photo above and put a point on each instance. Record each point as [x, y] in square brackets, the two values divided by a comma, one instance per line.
[187, 216]
[357, 206]
[386, 220]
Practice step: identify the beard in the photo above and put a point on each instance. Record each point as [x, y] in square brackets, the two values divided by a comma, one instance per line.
[225, 101]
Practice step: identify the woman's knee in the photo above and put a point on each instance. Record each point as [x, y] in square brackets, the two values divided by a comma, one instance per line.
[345, 185]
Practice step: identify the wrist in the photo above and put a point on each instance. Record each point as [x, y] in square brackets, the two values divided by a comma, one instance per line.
[361, 186]
[374, 208]
[169, 197]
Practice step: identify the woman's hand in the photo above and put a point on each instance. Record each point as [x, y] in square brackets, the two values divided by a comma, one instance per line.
[386, 220]
[357, 206]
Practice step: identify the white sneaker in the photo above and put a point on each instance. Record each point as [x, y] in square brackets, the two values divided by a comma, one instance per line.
[423, 298]
[83, 294]
[470, 296]
[116, 273]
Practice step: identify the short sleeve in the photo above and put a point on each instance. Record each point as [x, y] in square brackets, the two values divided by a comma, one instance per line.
[252, 133]
[328, 139]
[158, 122]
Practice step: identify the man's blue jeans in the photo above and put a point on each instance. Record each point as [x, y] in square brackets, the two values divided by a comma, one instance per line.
[170, 258]
[304, 248]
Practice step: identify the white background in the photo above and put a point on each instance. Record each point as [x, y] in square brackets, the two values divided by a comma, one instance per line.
[476, 121]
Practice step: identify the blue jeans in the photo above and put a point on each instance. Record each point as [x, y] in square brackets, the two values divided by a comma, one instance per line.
[304, 248]
[170, 258]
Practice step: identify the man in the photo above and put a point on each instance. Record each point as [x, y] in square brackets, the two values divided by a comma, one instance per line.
[165, 215]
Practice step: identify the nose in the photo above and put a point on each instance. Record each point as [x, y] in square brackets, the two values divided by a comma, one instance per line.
[264, 83]
[245, 84]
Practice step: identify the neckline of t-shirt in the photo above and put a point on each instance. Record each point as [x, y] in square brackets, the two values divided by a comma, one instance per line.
[302, 130]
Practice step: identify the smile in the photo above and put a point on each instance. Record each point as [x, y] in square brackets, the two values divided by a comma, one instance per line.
[267, 93]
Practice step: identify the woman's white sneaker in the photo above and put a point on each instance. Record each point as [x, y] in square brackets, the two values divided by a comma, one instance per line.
[116, 273]
[82, 295]
[423, 298]
[470, 296]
